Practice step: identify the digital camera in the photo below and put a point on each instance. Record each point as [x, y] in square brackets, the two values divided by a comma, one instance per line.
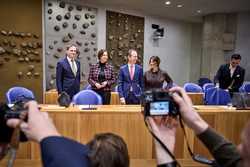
[159, 103]
[8, 112]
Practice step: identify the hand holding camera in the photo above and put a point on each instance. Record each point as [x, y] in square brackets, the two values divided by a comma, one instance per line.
[38, 126]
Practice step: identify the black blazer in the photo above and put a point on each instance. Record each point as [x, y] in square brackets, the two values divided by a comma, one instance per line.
[224, 78]
[63, 152]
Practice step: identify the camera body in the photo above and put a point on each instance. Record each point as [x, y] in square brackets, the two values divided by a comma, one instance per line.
[8, 112]
[158, 102]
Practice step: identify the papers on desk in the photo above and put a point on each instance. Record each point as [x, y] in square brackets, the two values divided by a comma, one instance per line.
[213, 107]
[51, 107]
[87, 107]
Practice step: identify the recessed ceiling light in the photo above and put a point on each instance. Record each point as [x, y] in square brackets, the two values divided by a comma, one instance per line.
[168, 2]
[198, 11]
[179, 6]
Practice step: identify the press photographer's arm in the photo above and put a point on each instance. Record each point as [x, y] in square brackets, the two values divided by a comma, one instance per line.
[38, 126]
[224, 152]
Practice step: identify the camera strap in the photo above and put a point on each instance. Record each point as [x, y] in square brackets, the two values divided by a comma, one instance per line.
[196, 157]
[14, 145]
[161, 143]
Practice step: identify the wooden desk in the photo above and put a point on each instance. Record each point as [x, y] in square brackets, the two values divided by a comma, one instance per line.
[197, 98]
[51, 98]
[127, 121]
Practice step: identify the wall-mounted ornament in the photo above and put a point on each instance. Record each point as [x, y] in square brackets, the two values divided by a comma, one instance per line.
[36, 74]
[93, 35]
[67, 16]
[21, 59]
[74, 26]
[60, 49]
[58, 17]
[3, 32]
[51, 66]
[79, 43]
[20, 74]
[51, 47]
[82, 32]
[92, 22]
[29, 74]
[50, 11]
[79, 8]
[31, 67]
[2, 50]
[62, 4]
[65, 25]
[86, 15]
[85, 25]
[49, 4]
[70, 8]
[57, 28]
[66, 39]
[77, 17]
[56, 55]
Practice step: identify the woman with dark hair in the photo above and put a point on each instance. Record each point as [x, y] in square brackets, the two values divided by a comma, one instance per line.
[102, 77]
[155, 77]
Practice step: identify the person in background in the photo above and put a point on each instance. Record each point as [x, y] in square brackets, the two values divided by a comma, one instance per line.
[104, 149]
[102, 77]
[68, 72]
[130, 80]
[231, 76]
[155, 77]
[224, 152]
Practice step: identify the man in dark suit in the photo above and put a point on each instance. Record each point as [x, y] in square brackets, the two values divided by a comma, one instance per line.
[68, 73]
[231, 76]
[130, 80]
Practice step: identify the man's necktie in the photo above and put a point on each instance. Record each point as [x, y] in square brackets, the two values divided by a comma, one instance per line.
[73, 67]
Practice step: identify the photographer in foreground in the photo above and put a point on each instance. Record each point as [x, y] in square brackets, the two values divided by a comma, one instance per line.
[224, 152]
[105, 149]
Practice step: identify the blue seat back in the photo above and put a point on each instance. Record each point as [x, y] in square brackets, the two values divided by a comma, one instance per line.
[15, 94]
[206, 86]
[203, 81]
[192, 87]
[88, 87]
[87, 97]
[217, 96]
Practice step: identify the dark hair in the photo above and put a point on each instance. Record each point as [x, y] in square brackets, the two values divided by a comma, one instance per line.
[100, 53]
[108, 149]
[77, 50]
[236, 56]
[155, 59]
[130, 52]
[69, 46]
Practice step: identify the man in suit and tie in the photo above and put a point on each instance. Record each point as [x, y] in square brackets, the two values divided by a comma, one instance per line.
[231, 76]
[68, 73]
[130, 80]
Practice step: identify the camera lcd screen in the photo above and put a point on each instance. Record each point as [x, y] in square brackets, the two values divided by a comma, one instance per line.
[159, 108]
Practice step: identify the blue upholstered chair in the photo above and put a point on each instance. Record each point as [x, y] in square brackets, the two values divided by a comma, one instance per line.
[217, 96]
[15, 94]
[203, 81]
[192, 87]
[87, 97]
[206, 86]
[88, 87]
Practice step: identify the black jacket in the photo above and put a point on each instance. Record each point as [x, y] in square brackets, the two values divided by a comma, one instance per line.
[225, 80]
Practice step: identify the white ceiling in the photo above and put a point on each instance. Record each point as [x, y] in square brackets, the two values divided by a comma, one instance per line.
[187, 13]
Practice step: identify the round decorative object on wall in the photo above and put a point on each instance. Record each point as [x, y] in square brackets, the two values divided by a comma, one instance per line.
[62, 4]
